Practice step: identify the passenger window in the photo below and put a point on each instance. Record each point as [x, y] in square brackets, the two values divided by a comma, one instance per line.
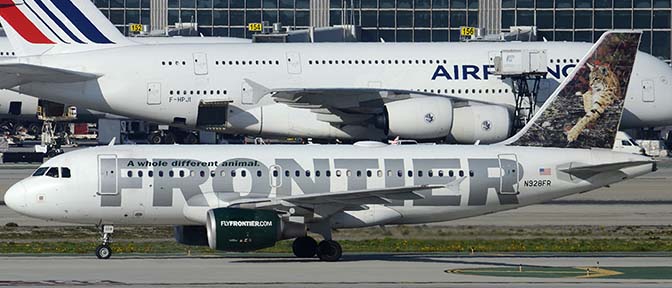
[275, 173]
[129, 173]
[307, 173]
[171, 173]
[40, 171]
[317, 173]
[430, 173]
[471, 173]
[181, 173]
[150, 174]
[440, 173]
[202, 173]
[160, 173]
[328, 173]
[52, 172]
[380, 173]
[139, 173]
[461, 173]
[338, 173]
[258, 173]
[243, 173]
[451, 173]
[65, 172]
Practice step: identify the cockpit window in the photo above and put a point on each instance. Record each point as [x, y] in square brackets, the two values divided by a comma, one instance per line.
[65, 172]
[52, 172]
[40, 171]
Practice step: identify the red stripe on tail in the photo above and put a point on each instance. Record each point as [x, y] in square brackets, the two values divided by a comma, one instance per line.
[21, 24]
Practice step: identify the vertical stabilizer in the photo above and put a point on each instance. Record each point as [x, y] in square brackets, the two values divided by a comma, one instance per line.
[37, 26]
[585, 110]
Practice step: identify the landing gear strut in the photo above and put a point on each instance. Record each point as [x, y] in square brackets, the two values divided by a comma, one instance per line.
[104, 251]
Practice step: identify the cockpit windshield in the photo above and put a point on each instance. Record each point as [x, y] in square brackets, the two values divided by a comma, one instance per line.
[53, 172]
[40, 171]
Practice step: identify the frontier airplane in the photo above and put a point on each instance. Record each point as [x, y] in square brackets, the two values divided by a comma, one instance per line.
[243, 198]
[68, 52]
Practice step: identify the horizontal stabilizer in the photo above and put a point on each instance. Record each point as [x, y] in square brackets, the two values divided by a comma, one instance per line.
[13, 74]
[592, 170]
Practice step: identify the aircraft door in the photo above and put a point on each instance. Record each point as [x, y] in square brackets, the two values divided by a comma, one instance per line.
[200, 64]
[107, 175]
[648, 92]
[508, 177]
[293, 63]
[154, 93]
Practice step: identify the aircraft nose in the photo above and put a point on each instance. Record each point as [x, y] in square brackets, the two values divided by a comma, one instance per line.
[15, 198]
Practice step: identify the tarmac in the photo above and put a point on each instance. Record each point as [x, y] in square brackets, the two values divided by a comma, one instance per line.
[360, 270]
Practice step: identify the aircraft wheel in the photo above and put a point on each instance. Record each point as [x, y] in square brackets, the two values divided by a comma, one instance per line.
[155, 138]
[304, 247]
[103, 252]
[329, 250]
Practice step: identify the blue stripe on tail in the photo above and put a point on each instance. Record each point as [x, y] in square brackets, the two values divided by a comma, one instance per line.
[81, 22]
[45, 23]
[58, 21]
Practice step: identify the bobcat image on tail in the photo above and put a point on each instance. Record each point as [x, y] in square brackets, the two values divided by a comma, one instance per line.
[585, 111]
[604, 90]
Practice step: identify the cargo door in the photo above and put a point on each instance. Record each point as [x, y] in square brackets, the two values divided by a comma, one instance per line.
[293, 63]
[648, 92]
[508, 178]
[200, 64]
[108, 175]
[154, 93]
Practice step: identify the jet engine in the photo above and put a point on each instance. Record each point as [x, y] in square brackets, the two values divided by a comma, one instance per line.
[418, 118]
[437, 117]
[236, 229]
[485, 123]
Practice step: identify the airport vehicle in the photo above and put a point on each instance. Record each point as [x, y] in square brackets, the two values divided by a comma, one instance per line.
[625, 143]
[345, 91]
[243, 198]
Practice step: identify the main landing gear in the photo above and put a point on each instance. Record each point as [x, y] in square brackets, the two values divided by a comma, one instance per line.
[326, 250]
[104, 251]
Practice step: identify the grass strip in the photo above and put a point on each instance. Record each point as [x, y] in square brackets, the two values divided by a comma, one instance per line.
[374, 245]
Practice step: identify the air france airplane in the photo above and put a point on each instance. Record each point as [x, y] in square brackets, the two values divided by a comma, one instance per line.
[245, 197]
[70, 53]
[18, 106]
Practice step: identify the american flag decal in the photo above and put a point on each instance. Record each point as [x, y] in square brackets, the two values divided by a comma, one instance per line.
[544, 171]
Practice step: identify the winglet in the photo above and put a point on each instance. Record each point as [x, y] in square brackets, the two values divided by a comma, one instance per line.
[585, 110]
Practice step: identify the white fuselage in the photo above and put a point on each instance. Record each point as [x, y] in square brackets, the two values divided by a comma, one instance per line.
[166, 83]
[179, 184]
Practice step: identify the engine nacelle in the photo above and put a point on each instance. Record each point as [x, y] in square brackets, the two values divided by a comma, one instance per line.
[236, 229]
[191, 235]
[487, 123]
[418, 118]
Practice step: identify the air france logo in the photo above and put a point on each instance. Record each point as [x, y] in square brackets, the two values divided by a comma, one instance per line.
[429, 118]
[36, 19]
[483, 72]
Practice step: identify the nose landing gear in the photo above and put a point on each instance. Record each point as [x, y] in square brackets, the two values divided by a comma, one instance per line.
[104, 251]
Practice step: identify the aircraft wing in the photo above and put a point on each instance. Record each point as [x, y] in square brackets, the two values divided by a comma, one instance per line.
[337, 201]
[13, 74]
[344, 105]
[591, 170]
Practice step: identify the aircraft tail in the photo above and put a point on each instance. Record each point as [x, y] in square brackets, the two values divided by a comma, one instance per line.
[585, 110]
[37, 26]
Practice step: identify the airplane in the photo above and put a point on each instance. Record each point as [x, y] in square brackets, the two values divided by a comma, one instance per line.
[248, 197]
[70, 53]
[21, 109]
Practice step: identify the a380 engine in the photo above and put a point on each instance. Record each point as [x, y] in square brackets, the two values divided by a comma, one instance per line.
[235, 229]
[438, 117]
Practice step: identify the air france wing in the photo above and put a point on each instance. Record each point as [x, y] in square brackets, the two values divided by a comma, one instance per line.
[13, 74]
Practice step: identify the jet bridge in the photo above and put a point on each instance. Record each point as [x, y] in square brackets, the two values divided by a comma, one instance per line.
[525, 68]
